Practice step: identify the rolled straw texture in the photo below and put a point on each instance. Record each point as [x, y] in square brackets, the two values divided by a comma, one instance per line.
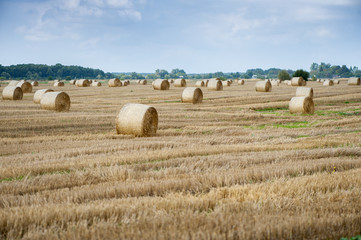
[240, 82]
[25, 86]
[160, 84]
[328, 83]
[56, 101]
[180, 83]
[82, 83]
[297, 81]
[215, 85]
[199, 84]
[96, 84]
[137, 119]
[38, 95]
[304, 92]
[192, 95]
[114, 82]
[34, 83]
[302, 105]
[353, 81]
[263, 86]
[13, 83]
[12, 93]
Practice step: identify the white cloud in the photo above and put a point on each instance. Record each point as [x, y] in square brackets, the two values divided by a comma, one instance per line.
[92, 42]
[118, 3]
[130, 13]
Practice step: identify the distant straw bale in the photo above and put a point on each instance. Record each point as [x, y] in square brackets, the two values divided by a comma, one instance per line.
[114, 82]
[304, 92]
[137, 119]
[199, 84]
[215, 85]
[240, 82]
[25, 86]
[180, 83]
[82, 83]
[297, 81]
[160, 84]
[302, 105]
[56, 101]
[12, 93]
[34, 83]
[59, 84]
[96, 84]
[328, 82]
[353, 81]
[192, 95]
[38, 95]
[263, 86]
[143, 82]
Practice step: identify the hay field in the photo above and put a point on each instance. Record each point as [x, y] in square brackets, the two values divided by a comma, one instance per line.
[237, 166]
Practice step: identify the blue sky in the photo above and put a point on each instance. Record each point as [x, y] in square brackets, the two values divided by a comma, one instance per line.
[195, 35]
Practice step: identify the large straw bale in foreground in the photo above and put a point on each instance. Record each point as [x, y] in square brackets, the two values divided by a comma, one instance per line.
[297, 81]
[353, 81]
[263, 86]
[34, 83]
[302, 105]
[192, 95]
[240, 82]
[199, 84]
[328, 83]
[114, 82]
[13, 83]
[160, 84]
[39, 94]
[215, 85]
[82, 83]
[12, 93]
[137, 119]
[57, 101]
[180, 83]
[304, 92]
[25, 86]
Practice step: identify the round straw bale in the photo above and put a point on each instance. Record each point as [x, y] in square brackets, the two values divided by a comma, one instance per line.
[353, 81]
[160, 84]
[13, 83]
[171, 80]
[302, 105]
[296, 81]
[304, 92]
[137, 119]
[35, 83]
[180, 83]
[38, 94]
[25, 86]
[58, 101]
[59, 84]
[274, 83]
[128, 82]
[263, 86]
[143, 82]
[328, 83]
[322, 80]
[72, 82]
[12, 93]
[124, 83]
[336, 81]
[82, 83]
[304, 83]
[96, 84]
[206, 82]
[215, 85]
[114, 82]
[192, 95]
[241, 82]
[226, 83]
[199, 84]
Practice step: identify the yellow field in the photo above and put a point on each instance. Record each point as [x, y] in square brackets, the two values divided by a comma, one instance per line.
[237, 166]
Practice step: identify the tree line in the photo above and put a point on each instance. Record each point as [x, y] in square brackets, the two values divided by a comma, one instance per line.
[59, 71]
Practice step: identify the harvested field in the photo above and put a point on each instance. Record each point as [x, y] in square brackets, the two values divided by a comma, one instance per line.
[237, 166]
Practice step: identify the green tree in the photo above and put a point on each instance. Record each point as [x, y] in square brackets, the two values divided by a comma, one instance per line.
[284, 75]
[302, 73]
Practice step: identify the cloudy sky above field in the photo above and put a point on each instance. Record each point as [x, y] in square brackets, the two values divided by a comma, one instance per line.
[195, 35]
